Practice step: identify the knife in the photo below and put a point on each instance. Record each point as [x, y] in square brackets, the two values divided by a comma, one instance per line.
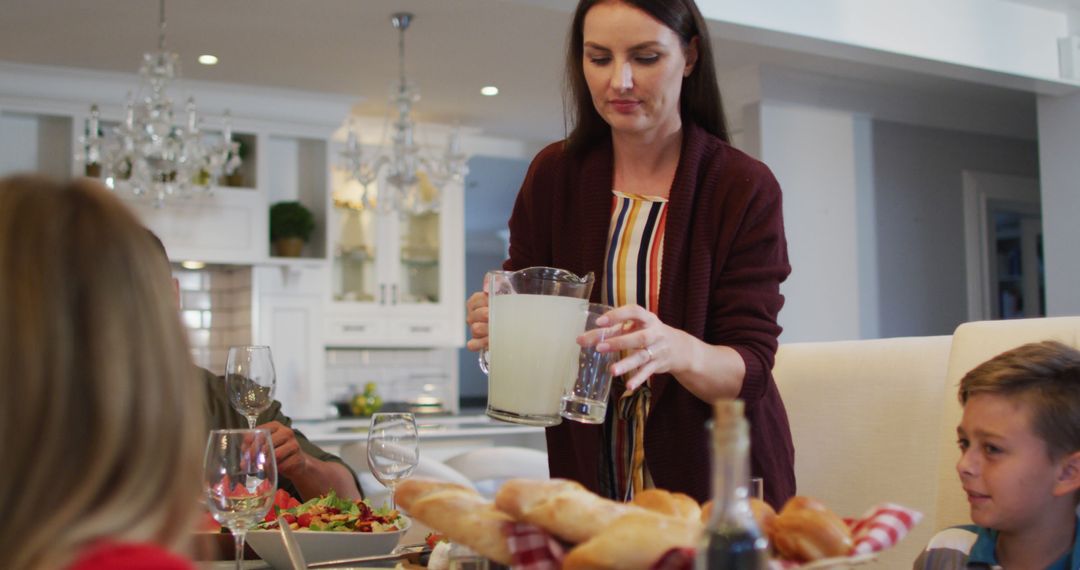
[412, 552]
[296, 556]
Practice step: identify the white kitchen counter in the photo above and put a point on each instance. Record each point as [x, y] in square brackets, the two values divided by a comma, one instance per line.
[479, 429]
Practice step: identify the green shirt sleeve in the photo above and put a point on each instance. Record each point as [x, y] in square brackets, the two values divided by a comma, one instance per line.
[221, 415]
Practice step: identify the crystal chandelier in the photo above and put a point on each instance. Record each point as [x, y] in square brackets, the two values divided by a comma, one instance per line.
[413, 180]
[148, 154]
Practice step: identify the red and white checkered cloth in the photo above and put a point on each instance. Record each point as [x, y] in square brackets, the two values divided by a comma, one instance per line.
[531, 548]
[880, 528]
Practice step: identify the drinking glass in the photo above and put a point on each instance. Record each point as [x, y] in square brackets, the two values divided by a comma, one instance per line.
[757, 488]
[250, 379]
[240, 479]
[393, 449]
[586, 400]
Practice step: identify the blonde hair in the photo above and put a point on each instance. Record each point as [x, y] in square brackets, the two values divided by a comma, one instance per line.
[101, 422]
[1046, 376]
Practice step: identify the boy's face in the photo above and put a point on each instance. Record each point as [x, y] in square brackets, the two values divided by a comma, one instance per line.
[1004, 467]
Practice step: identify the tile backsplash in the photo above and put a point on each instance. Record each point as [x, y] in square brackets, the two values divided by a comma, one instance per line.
[400, 375]
[215, 305]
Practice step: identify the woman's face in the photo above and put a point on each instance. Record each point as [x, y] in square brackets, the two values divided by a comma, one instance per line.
[634, 66]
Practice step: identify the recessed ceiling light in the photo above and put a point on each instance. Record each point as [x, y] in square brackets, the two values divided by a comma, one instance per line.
[192, 264]
[208, 59]
[489, 90]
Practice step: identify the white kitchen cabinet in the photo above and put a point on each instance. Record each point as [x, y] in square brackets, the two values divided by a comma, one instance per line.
[287, 314]
[229, 225]
[396, 280]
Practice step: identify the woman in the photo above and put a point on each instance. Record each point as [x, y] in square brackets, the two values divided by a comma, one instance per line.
[101, 426]
[687, 235]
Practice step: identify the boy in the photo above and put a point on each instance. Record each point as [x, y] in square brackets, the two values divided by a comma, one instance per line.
[1019, 464]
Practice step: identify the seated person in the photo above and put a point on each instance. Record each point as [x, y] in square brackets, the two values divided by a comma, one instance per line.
[304, 470]
[1019, 464]
[101, 422]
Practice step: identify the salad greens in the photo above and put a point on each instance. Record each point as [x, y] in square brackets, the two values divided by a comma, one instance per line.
[336, 514]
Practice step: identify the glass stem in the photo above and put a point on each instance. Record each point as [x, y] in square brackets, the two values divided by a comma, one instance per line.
[393, 505]
[251, 421]
[238, 536]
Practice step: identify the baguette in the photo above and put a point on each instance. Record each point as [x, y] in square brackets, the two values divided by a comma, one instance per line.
[410, 490]
[458, 512]
[668, 503]
[636, 540]
[561, 507]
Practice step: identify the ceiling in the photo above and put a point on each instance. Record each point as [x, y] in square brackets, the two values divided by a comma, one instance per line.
[348, 47]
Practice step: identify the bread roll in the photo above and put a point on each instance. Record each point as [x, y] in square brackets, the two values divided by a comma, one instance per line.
[763, 514]
[561, 507]
[459, 513]
[806, 530]
[636, 540]
[668, 503]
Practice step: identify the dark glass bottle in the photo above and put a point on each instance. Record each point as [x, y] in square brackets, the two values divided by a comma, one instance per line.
[732, 538]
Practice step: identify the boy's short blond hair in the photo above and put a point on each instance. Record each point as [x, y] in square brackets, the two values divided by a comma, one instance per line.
[1045, 375]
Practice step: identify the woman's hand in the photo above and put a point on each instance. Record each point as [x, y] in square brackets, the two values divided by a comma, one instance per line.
[654, 348]
[706, 371]
[476, 309]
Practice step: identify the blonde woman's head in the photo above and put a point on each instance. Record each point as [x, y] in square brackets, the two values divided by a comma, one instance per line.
[101, 426]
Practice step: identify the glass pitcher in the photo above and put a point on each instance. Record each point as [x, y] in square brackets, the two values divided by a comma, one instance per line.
[534, 318]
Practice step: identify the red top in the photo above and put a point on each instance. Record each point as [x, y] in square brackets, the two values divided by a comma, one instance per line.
[724, 258]
[129, 556]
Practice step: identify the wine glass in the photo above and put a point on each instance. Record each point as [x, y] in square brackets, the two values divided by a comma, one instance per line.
[393, 449]
[250, 379]
[240, 479]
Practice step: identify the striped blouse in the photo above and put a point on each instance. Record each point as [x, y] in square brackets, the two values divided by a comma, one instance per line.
[632, 275]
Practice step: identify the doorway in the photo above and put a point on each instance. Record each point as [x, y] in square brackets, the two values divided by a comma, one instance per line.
[1003, 244]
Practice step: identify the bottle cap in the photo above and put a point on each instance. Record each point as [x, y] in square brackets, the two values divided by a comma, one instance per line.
[729, 423]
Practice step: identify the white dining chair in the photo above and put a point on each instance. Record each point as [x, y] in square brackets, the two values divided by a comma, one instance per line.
[864, 417]
[974, 343]
[489, 467]
[355, 454]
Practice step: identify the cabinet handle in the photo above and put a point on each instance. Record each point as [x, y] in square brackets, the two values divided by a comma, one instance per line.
[393, 294]
[420, 329]
[354, 328]
[382, 293]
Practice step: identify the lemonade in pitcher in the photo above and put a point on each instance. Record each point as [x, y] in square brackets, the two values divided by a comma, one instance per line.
[534, 354]
[535, 316]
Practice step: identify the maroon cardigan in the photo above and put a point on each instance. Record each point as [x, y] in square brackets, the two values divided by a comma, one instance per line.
[724, 258]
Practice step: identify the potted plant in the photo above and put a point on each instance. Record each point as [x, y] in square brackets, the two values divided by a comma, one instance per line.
[291, 225]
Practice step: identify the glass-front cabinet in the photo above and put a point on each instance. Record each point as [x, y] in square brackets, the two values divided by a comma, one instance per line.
[397, 278]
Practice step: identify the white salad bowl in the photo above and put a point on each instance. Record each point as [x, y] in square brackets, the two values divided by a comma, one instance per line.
[320, 546]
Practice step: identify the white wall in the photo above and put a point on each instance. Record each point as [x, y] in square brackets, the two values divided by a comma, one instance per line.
[874, 219]
[919, 219]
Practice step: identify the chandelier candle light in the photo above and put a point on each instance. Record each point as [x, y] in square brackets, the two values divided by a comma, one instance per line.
[414, 182]
[150, 155]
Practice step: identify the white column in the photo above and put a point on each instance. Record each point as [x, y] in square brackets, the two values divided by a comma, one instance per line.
[1059, 151]
[819, 158]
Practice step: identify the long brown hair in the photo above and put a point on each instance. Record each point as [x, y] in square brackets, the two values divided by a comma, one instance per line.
[699, 103]
[101, 422]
